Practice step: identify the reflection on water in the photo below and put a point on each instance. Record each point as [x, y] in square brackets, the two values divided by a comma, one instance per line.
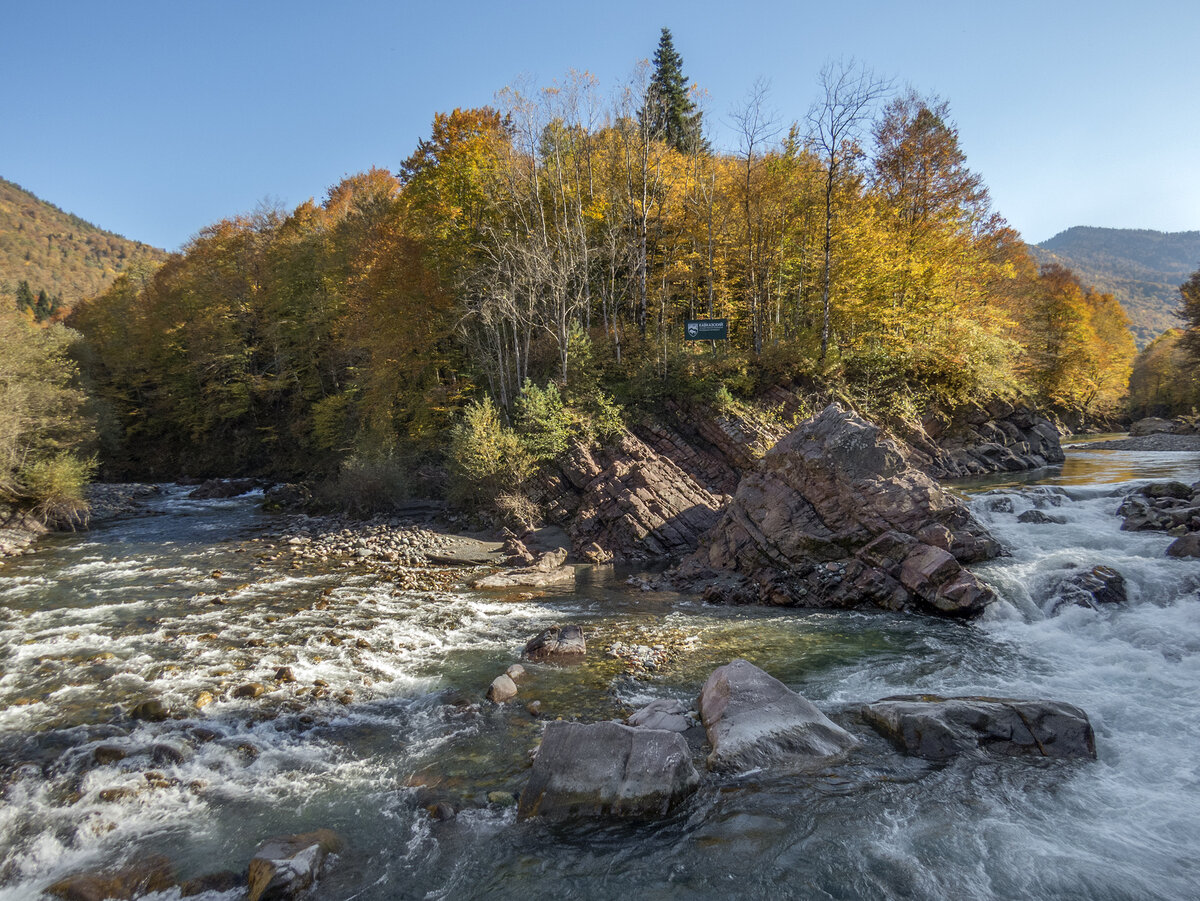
[1085, 467]
[386, 715]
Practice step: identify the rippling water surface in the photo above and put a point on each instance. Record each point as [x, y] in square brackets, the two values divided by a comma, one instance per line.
[386, 715]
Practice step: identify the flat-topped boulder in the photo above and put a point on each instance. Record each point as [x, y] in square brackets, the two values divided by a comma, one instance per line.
[836, 516]
[607, 769]
[752, 719]
[557, 644]
[938, 728]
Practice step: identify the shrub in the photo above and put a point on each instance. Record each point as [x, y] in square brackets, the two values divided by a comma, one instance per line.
[487, 457]
[55, 488]
[543, 423]
[366, 485]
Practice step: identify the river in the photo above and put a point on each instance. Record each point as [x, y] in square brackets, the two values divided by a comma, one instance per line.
[169, 605]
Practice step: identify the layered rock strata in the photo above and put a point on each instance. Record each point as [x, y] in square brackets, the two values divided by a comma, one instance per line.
[836, 516]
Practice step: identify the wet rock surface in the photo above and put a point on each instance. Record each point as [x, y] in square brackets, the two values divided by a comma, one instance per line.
[939, 728]
[1100, 586]
[666, 714]
[285, 866]
[607, 769]
[752, 719]
[836, 516]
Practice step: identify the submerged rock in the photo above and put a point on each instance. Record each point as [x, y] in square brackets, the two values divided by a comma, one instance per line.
[666, 714]
[557, 644]
[753, 719]
[938, 728]
[153, 874]
[1037, 517]
[286, 865]
[606, 769]
[224, 881]
[153, 711]
[837, 517]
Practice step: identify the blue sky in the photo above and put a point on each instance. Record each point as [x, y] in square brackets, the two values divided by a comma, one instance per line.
[156, 119]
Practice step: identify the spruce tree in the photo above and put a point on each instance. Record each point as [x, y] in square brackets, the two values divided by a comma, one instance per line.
[25, 299]
[668, 113]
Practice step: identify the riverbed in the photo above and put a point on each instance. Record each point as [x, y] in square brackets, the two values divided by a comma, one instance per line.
[387, 716]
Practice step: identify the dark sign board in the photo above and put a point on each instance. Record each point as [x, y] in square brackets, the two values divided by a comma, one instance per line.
[706, 330]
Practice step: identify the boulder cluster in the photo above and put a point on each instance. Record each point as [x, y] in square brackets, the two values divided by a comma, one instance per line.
[1170, 507]
[751, 721]
[982, 439]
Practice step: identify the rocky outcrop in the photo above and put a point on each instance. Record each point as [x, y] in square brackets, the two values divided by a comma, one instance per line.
[1154, 425]
[558, 644]
[607, 769]
[285, 866]
[630, 501]
[835, 516]
[980, 439]
[938, 728]
[752, 719]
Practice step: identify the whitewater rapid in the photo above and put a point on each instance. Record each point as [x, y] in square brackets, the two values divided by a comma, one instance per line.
[387, 713]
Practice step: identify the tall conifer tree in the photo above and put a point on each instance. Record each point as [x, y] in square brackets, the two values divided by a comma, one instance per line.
[668, 113]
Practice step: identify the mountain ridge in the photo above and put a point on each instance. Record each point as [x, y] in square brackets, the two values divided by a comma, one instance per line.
[1142, 268]
[59, 253]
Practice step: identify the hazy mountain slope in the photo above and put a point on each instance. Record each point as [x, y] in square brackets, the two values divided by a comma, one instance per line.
[1141, 268]
[57, 252]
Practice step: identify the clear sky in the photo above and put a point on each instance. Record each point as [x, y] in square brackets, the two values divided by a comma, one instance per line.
[154, 119]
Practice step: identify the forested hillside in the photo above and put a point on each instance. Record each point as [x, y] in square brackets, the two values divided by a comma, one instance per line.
[50, 260]
[532, 266]
[1143, 269]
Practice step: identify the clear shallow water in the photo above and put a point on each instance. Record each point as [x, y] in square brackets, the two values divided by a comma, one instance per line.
[415, 728]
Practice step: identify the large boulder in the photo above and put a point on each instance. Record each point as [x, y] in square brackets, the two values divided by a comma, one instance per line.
[938, 728]
[607, 769]
[1185, 546]
[1151, 425]
[286, 865]
[752, 719]
[836, 516]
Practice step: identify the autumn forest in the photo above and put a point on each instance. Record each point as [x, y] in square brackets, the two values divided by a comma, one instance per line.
[525, 274]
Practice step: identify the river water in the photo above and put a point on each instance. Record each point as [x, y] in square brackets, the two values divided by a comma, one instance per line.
[170, 605]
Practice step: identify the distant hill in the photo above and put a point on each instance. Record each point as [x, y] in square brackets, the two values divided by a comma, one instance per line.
[1142, 269]
[57, 253]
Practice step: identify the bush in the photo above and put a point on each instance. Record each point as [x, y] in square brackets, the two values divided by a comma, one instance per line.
[366, 486]
[488, 459]
[54, 488]
[543, 423]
